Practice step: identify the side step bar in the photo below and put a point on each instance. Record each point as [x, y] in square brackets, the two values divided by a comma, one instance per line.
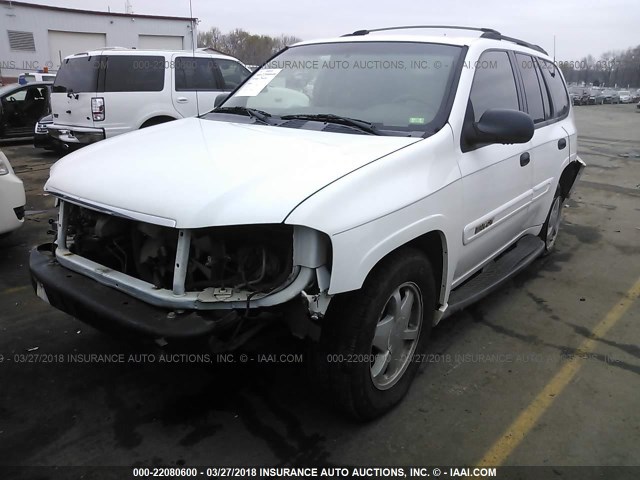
[495, 273]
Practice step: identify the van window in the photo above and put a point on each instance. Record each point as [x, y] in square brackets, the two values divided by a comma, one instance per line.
[532, 89]
[494, 85]
[134, 73]
[77, 75]
[559, 97]
[194, 73]
[233, 73]
[546, 100]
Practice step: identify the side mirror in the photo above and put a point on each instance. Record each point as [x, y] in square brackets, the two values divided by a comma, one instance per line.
[220, 99]
[499, 125]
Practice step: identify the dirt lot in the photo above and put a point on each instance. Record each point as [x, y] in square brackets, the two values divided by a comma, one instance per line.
[503, 384]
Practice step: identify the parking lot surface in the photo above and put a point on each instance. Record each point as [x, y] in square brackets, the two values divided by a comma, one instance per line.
[545, 371]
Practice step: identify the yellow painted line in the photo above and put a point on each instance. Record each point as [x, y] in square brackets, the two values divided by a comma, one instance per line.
[9, 291]
[528, 419]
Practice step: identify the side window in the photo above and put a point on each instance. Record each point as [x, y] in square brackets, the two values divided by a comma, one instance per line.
[134, 74]
[233, 73]
[532, 88]
[559, 97]
[494, 85]
[546, 101]
[18, 96]
[196, 74]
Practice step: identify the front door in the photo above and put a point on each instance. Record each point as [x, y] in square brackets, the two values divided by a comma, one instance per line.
[496, 178]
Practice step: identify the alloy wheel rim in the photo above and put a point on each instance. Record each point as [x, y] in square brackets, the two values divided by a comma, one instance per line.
[396, 335]
[554, 223]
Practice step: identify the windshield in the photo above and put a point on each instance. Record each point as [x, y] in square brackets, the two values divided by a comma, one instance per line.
[396, 86]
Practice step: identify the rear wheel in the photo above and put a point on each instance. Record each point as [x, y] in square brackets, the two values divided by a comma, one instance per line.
[371, 339]
[551, 227]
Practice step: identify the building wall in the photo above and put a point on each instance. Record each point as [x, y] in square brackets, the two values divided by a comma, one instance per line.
[120, 31]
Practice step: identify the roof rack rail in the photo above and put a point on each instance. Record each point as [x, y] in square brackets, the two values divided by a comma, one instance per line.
[489, 33]
[517, 41]
[411, 27]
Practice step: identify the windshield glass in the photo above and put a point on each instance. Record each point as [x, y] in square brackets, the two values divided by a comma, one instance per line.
[397, 86]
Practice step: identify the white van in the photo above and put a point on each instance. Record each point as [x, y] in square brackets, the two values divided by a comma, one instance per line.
[103, 93]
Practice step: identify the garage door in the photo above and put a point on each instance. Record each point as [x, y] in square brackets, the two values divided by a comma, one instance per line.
[159, 42]
[63, 44]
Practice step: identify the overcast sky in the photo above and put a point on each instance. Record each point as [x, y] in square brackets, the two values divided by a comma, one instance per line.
[581, 27]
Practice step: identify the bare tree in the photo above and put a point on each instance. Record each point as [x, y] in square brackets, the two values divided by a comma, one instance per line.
[249, 48]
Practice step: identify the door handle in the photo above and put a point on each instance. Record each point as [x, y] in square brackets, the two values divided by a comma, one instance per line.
[525, 158]
[562, 143]
[182, 99]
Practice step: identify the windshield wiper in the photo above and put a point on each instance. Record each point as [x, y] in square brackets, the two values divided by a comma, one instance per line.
[259, 115]
[331, 118]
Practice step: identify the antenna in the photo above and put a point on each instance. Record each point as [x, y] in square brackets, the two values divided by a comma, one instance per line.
[193, 51]
[554, 49]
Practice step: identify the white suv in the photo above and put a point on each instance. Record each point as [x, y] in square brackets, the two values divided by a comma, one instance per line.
[103, 93]
[365, 187]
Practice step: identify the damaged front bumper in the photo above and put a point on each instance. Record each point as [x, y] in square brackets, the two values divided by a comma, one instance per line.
[106, 308]
[111, 299]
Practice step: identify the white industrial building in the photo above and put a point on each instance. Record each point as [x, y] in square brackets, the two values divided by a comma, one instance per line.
[36, 36]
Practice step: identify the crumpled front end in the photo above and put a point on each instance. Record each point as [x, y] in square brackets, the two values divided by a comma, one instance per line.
[204, 273]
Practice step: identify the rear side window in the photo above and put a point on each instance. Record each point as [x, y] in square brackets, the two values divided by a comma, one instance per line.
[494, 85]
[78, 75]
[546, 101]
[532, 87]
[557, 89]
[233, 73]
[197, 74]
[125, 73]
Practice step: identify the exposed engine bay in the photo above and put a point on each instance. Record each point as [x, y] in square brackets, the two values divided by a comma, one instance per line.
[254, 258]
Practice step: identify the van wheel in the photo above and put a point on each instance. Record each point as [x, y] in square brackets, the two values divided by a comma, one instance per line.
[551, 227]
[371, 339]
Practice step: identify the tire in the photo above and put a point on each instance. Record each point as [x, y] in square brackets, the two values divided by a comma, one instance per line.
[549, 232]
[369, 325]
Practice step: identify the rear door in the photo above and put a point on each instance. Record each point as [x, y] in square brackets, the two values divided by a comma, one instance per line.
[76, 83]
[547, 101]
[133, 88]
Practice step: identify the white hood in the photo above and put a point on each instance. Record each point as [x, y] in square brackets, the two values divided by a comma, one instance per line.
[197, 173]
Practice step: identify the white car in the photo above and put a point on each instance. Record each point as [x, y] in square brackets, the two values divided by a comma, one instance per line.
[419, 173]
[29, 77]
[104, 93]
[625, 96]
[12, 198]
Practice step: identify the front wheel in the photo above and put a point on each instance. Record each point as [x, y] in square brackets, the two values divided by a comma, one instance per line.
[372, 339]
[551, 227]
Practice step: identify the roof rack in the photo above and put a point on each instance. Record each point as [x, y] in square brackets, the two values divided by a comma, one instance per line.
[517, 41]
[489, 33]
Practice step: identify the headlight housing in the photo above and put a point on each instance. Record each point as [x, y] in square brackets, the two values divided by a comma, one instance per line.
[5, 168]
